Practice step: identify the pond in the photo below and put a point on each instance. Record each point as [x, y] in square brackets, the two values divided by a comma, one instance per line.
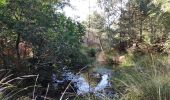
[83, 86]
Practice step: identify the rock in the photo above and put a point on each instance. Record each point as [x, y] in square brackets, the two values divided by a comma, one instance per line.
[121, 59]
[95, 75]
[118, 59]
[101, 58]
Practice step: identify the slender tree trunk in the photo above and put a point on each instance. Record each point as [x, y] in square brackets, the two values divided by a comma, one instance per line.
[141, 29]
[101, 46]
[17, 51]
[3, 56]
[17, 45]
[130, 21]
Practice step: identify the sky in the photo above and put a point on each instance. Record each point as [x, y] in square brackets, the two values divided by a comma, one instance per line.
[80, 10]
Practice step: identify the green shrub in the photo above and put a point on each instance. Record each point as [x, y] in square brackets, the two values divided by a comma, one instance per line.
[128, 62]
[92, 52]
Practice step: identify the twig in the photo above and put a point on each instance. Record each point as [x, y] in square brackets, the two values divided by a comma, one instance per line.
[34, 87]
[46, 92]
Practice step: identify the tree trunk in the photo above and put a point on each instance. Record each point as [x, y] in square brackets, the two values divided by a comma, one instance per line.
[17, 51]
[3, 56]
[101, 46]
[141, 28]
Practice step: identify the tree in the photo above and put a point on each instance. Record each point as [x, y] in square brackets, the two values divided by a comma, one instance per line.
[55, 38]
[97, 23]
[141, 20]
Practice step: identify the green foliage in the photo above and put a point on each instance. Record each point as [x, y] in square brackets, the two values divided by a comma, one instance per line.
[92, 52]
[128, 62]
[66, 42]
[97, 21]
[56, 41]
[140, 21]
[2, 2]
[56, 38]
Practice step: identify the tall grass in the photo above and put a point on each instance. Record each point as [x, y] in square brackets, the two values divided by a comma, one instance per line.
[148, 80]
[9, 89]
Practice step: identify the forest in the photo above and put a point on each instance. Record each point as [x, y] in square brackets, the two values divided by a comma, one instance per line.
[120, 52]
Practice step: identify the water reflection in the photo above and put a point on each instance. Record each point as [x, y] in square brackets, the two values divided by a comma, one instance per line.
[103, 83]
[81, 84]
